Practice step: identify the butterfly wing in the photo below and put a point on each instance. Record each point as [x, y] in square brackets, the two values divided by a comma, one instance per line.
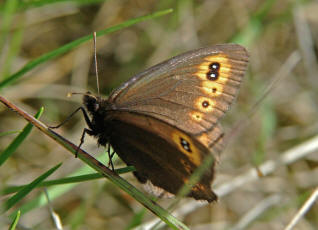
[191, 91]
[162, 154]
[164, 121]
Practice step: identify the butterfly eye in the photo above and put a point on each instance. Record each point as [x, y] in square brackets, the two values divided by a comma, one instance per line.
[205, 104]
[212, 75]
[185, 145]
[215, 66]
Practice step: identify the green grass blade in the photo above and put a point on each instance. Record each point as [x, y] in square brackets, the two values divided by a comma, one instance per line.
[9, 10]
[63, 49]
[24, 5]
[14, 44]
[18, 140]
[54, 191]
[40, 200]
[2, 134]
[26, 190]
[66, 180]
[15, 221]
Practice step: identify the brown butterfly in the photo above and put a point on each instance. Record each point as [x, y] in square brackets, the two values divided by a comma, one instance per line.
[165, 120]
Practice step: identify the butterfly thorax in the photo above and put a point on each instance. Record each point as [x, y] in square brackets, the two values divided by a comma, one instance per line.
[98, 110]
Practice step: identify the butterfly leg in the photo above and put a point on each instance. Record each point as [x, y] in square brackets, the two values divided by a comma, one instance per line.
[110, 157]
[87, 120]
[89, 132]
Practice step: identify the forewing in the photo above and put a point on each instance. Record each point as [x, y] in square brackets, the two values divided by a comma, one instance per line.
[191, 91]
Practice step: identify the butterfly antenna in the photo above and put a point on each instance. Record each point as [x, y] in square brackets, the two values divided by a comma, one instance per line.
[96, 69]
[69, 94]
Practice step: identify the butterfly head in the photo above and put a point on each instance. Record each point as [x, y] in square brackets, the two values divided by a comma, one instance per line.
[94, 104]
[91, 102]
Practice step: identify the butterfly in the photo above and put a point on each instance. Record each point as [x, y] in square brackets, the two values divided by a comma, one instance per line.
[165, 120]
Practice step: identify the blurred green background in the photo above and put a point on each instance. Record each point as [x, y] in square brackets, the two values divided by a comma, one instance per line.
[282, 38]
